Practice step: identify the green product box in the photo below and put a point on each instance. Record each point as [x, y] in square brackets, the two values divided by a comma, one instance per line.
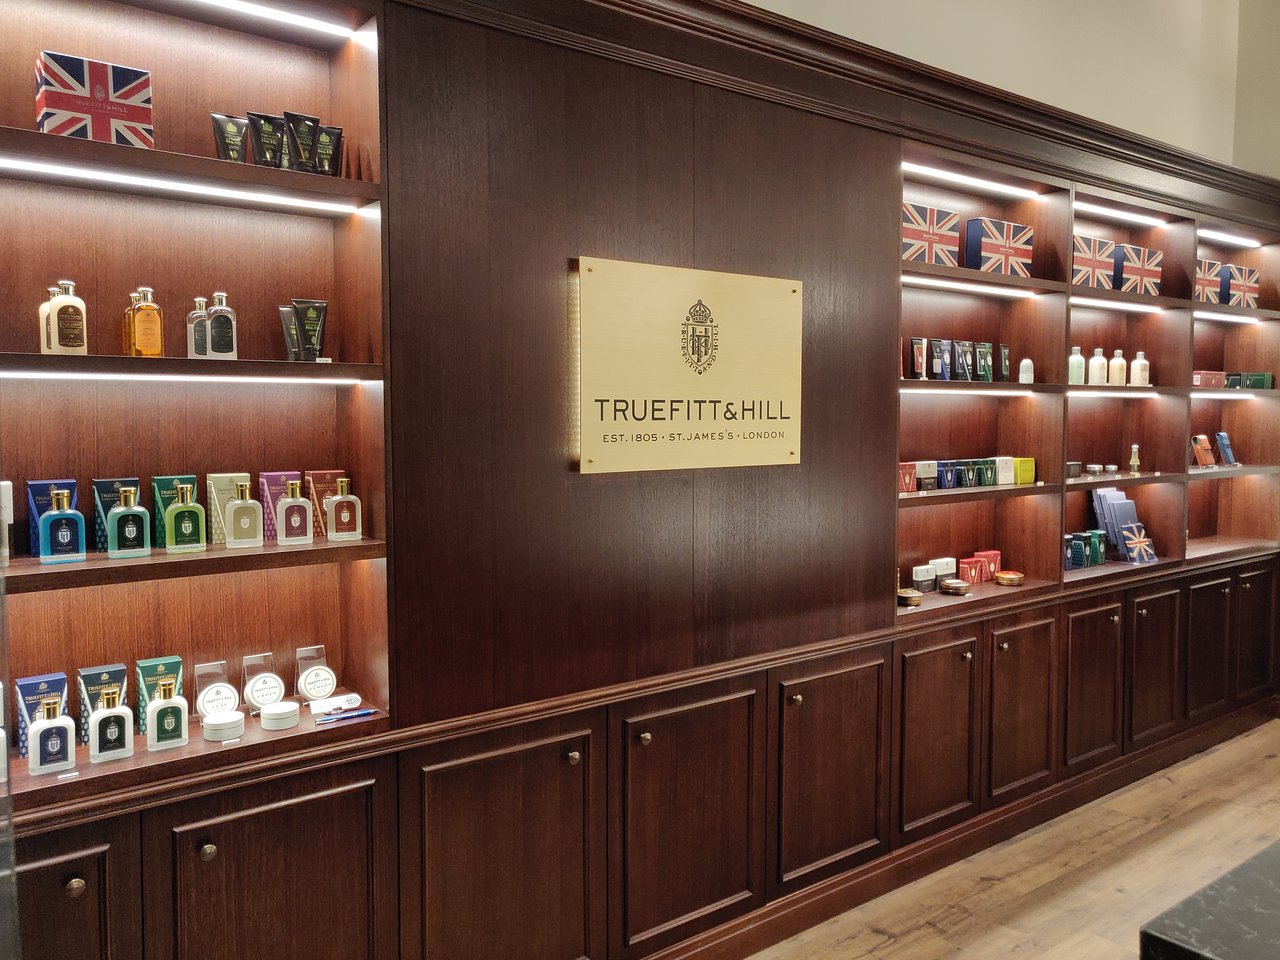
[164, 491]
[150, 673]
[106, 496]
[1256, 381]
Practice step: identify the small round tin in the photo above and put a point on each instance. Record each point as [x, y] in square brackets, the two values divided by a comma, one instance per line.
[280, 716]
[910, 598]
[317, 682]
[1009, 578]
[226, 725]
[953, 586]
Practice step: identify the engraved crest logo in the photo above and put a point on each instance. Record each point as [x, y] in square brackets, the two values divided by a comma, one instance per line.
[186, 526]
[53, 744]
[244, 523]
[169, 722]
[64, 535]
[700, 338]
[130, 529]
[295, 521]
[113, 731]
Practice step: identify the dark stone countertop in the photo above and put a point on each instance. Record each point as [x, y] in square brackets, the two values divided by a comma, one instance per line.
[1237, 917]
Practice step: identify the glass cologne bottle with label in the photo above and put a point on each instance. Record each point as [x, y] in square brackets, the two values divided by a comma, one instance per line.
[166, 718]
[243, 519]
[61, 530]
[293, 516]
[222, 329]
[110, 729]
[146, 329]
[184, 530]
[198, 331]
[128, 527]
[342, 513]
[51, 740]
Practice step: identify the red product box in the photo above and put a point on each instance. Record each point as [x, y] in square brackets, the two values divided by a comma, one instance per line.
[1093, 262]
[907, 477]
[93, 100]
[972, 570]
[1138, 269]
[1209, 378]
[1208, 281]
[1240, 285]
[930, 234]
[992, 559]
[320, 484]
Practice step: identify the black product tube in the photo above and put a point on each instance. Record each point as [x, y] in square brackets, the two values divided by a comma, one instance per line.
[266, 134]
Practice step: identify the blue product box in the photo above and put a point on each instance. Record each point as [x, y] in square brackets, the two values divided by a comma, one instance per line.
[946, 474]
[38, 501]
[31, 691]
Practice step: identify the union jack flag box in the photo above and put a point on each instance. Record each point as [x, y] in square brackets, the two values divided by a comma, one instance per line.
[930, 235]
[1239, 286]
[1138, 269]
[92, 100]
[998, 246]
[1093, 262]
[1208, 281]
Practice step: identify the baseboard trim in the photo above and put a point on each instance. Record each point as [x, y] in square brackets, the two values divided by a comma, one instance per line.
[796, 912]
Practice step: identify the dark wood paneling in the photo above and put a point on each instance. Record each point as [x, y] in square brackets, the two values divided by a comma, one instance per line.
[1154, 665]
[1254, 631]
[686, 813]
[502, 845]
[1209, 651]
[829, 738]
[224, 873]
[78, 892]
[936, 719]
[1093, 684]
[1022, 705]
[544, 582]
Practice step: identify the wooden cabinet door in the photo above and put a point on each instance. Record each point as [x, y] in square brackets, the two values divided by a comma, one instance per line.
[1093, 687]
[502, 844]
[936, 731]
[1022, 655]
[686, 813]
[1154, 666]
[292, 869]
[1208, 647]
[1254, 632]
[829, 736]
[78, 892]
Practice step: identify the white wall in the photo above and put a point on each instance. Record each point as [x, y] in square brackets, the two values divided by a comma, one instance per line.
[1257, 134]
[1175, 83]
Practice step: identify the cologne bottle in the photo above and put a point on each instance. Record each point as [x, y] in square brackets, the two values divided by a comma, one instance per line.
[110, 729]
[126, 322]
[184, 523]
[243, 519]
[51, 739]
[46, 327]
[1098, 369]
[61, 530]
[128, 527]
[1135, 464]
[342, 513]
[67, 320]
[198, 331]
[293, 516]
[166, 718]
[1140, 371]
[146, 331]
[1075, 367]
[1026, 371]
[222, 329]
[1117, 370]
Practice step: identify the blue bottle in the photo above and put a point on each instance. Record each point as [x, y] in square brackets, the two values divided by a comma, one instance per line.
[61, 530]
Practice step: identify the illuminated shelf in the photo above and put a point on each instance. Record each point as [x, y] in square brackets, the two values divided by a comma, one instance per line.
[36, 366]
[1086, 392]
[1244, 313]
[1232, 393]
[1121, 480]
[1201, 548]
[1116, 569]
[973, 388]
[1122, 298]
[1227, 473]
[927, 498]
[982, 594]
[66, 160]
[29, 575]
[937, 271]
[328, 28]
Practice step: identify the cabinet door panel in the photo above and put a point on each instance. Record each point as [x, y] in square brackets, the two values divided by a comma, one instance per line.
[1254, 632]
[687, 811]
[1094, 686]
[296, 868]
[1208, 647]
[502, 845]
[829, 726]
[1154, 666]
[936, 706]
[78, 892]
[1023, 658]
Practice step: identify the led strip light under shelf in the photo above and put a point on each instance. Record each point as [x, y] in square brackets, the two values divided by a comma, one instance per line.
[960, 286]
[99, 375]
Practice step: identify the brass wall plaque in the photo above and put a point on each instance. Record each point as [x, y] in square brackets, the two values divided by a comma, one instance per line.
[686, 368]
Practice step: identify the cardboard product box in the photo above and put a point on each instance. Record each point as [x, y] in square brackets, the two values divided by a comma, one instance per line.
[273, 486]
[149, 674]
[106, 497]
[1003, 368]
[1024, 470]
[1208, 287]
[1209, 378]
[320, 484]
[1257, 381]
[1234, 381]
[998, 246]
[1201, 447]
[947, 470]
[972, 570]
[91, 682]
[30, 692]
[164, 491]
[1093, 262]
[1239, 286]
[1004, 470]
[924, 578]
[907, 477]
[930, 234]
[991, 558]
[39, 499]
[93, 100]
[962, 360]
[919, 358]
[984, 361]
[1137, 269]
[944, 567]
[926, 474]
[221, 487]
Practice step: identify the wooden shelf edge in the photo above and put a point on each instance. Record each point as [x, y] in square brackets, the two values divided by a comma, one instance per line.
[914, 268]
[1123, 393]
[97, 367]
[1218, 548]
[964, 494]
[1121, 480]
[1122, 296]
[942, 387]
[28, 575]
[1116, 570]
[984, 594]
[1230, 473]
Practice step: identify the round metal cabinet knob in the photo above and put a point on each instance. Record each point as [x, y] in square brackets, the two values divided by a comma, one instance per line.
[797, 698]
[1226, 589]
[646, 739]
[1003, 646]
[967, 655]
[208, 852]
[75, 888]
[574, 758]
[1115, 618]
[1142, 612]
[1246, 586]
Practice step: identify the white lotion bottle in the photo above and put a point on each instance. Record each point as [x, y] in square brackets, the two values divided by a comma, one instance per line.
[1075, 367]
[1026, 371]
[1140, 371]
[51, 740]
[1098, 369]
[1117, 370]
